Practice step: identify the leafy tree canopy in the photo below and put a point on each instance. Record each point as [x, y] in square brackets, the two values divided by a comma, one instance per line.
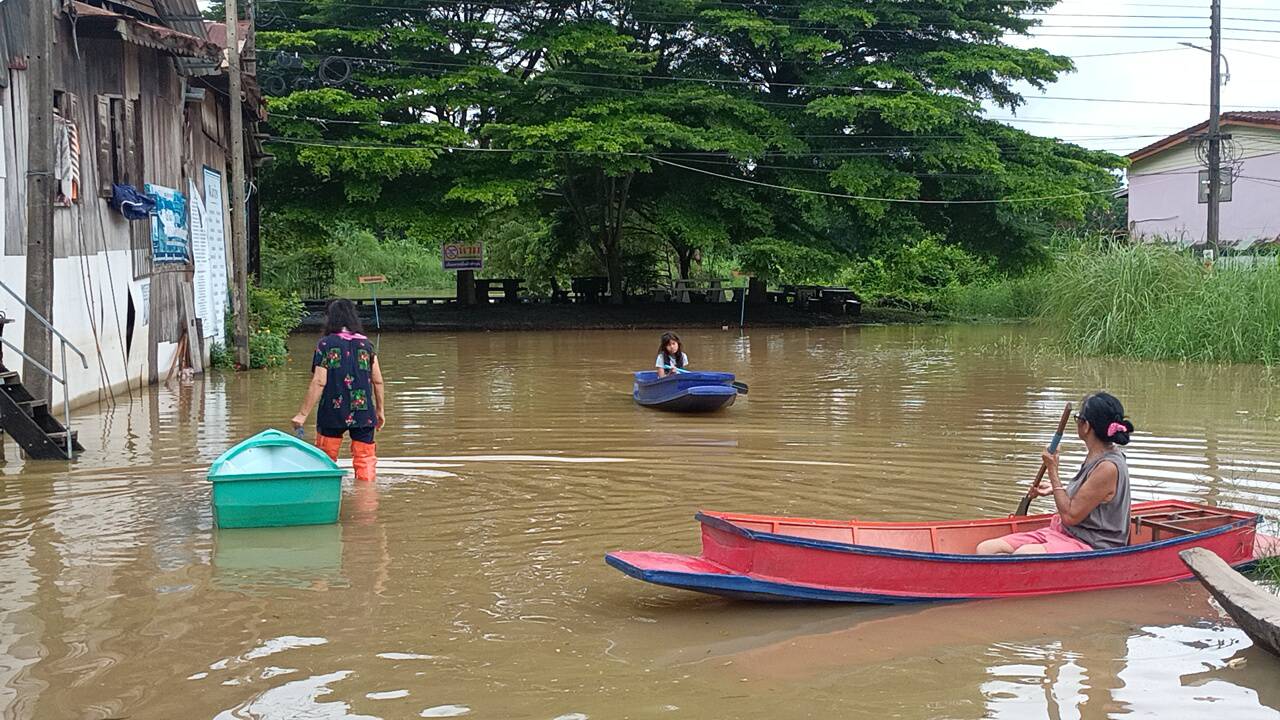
[789, 134]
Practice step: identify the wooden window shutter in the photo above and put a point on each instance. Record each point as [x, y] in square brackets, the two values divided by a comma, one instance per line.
[105, 174]
[117, 141]
[133, 160]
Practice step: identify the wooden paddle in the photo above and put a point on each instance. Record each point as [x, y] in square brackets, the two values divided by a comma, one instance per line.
[1025, 505]
[741, 387]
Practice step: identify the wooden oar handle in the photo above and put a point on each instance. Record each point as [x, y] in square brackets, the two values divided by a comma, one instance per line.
[1053, 448]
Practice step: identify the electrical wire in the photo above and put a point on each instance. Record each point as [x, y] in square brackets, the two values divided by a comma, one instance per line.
[433, 64]
[662, 161]
[883, 199]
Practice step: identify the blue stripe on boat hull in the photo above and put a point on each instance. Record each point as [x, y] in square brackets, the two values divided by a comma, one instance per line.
[746, 588]
[691, 402]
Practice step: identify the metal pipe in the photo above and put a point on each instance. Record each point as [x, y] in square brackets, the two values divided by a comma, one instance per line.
[66, 400]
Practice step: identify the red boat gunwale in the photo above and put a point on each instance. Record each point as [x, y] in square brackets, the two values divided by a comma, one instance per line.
[733, 523]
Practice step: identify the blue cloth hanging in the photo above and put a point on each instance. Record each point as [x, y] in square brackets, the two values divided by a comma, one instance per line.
[131, 203]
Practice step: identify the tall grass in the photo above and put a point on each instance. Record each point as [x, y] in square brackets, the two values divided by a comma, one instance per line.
[1156, 302]
[1267, 570]
[335, 267]
[1013, 298]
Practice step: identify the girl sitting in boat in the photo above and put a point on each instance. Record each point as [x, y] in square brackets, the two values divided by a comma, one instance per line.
[670, 355]
[347, 382]
[1093, 509]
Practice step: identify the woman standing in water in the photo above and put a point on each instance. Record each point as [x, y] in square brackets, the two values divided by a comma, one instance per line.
[1093, 509]
[347, 382]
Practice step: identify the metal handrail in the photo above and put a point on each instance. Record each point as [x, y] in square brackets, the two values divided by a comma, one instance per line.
[66, 392]
[46, 323]
[31, 360]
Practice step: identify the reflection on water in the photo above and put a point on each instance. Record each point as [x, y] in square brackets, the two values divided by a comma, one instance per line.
[468, 580]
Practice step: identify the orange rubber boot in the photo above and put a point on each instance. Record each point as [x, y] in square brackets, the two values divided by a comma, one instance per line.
[364, 459]
[330, 445]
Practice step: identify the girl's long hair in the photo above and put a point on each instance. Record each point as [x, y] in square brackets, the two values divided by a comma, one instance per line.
[667, 359]
[341, 313]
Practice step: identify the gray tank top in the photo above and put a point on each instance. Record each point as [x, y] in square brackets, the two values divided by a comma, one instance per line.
[1107, 526]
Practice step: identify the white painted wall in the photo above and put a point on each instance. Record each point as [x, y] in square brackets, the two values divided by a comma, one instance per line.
[90, 306]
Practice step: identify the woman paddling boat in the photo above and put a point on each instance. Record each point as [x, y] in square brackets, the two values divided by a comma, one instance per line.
[1092, 511]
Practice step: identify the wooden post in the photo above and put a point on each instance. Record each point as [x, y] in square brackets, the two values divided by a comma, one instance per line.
[37, 341]
[467, 287]
[239, 224]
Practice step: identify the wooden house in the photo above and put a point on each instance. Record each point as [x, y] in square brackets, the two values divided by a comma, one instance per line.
[141, 115]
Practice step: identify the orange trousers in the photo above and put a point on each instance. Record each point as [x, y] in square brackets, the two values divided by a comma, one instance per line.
[364, 456]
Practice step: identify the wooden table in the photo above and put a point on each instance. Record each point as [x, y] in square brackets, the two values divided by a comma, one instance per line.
[590, 289]
[510, 288]
[713, 290]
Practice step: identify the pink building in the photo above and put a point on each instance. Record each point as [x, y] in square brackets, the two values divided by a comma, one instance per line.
[1168, 186]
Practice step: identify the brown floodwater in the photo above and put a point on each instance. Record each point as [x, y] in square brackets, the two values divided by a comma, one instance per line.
[469, 579]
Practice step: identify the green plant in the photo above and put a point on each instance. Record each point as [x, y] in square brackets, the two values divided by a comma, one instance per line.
[272, 316]
[220, 357]
[1267, 570]
[925, 275]
[1158, 302]
[273, 311]
[267, 349]
[1005, 297]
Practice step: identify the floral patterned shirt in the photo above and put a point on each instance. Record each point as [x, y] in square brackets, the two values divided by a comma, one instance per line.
[347, 401]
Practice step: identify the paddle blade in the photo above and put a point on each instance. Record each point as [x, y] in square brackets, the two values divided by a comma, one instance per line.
[1025, 506]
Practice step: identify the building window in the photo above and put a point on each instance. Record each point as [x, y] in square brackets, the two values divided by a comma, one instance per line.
[119, 155]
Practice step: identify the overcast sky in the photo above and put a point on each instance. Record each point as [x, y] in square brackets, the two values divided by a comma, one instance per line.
[1177, 75]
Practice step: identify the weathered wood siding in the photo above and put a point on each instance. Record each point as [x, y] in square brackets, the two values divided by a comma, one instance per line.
[173, 141]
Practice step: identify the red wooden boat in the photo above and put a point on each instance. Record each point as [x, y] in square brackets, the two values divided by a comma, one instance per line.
[776, 558]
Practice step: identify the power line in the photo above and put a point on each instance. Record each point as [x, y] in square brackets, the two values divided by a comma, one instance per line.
[433, 64]
[1127, 52]
[880, 199]
[1257, 54]
[512, 151]
[847, 136]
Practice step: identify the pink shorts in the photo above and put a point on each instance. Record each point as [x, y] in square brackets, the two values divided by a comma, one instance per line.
[1053, 538]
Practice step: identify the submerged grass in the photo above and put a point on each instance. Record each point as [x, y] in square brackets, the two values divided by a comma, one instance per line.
[1158, 303]
[1267, 570]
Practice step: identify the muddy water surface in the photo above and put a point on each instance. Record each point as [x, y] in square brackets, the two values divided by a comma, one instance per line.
[469, 581]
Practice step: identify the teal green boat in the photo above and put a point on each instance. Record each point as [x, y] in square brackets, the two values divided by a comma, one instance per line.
[275, 479]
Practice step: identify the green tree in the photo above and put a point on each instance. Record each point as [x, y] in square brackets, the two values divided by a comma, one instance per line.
[609, 125]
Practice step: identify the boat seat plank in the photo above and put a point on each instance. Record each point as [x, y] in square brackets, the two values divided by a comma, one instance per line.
[1157, 526]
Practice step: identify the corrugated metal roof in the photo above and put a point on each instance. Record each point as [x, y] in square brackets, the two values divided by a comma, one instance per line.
[1263, 118]
[144, 33]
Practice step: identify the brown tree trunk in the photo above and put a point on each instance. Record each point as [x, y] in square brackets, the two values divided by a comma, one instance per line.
[686, 262]
[613, 264]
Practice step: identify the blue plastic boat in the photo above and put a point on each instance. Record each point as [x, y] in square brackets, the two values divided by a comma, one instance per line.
[685, 392]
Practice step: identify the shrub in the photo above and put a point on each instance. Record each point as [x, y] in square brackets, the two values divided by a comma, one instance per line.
[272, 316]
[1007, 297]
[924, 275]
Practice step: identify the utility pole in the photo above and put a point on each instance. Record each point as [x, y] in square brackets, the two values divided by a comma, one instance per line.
[37, 341]
[1215, 134]
[239, 224]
